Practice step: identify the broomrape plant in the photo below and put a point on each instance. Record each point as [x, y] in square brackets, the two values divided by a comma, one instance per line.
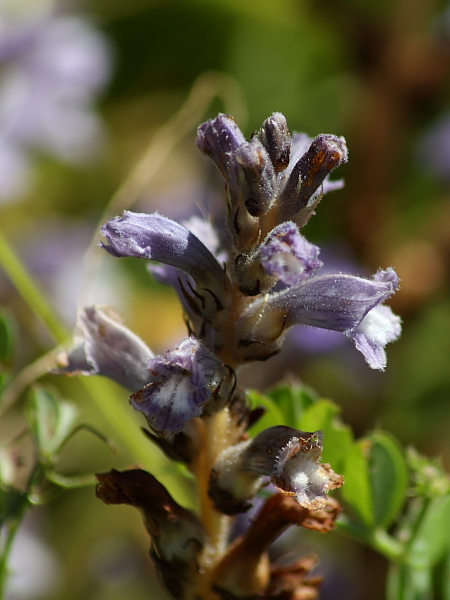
[280, 453]
[240, 293]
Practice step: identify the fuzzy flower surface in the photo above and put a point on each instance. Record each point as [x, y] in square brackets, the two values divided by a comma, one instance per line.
[289, 457]
[299, 472]
[288, 255]
[184, 380]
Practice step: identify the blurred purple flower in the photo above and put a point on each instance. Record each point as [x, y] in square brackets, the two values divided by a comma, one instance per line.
[52, 68]
[433, 151]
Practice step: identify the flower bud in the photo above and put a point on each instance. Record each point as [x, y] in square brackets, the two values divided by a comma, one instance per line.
[219, 139]
[325, 153]
[232, 486]
[289, 457]
[250, 274]
[276, 139]
[259, 176]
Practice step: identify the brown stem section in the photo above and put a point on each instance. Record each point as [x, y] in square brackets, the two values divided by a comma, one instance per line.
[216, 433]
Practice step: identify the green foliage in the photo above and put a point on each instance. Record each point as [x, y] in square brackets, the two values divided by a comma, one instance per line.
[388, 478]
[51, 422]
[7, 347]
[431, 537]
[385, 488]
[427, 474]
[273, 415]
[323, 415]
[293, 400]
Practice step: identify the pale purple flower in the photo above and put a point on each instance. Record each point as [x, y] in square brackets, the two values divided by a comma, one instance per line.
[199, 278]
[184, 380]
[158, 238]
[379, 327]
[344, 303]
[104, 346]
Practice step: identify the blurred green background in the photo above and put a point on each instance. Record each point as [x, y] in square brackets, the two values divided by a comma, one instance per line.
[374, 71]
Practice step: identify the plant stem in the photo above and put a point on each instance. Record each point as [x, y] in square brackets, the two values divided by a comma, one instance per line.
[378, 539]
[10, 535]
[30, 290]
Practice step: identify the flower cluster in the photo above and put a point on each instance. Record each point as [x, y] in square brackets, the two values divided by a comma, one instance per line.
[240, 297]
[270, 281]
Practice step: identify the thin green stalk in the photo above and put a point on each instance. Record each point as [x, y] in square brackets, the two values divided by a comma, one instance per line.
[378, 539]
[30, 290]
[11, 533]
[11, 526]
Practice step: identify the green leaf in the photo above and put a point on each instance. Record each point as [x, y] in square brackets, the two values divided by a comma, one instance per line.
[273, 415]
[388, 476]
[323, 415]
[431, 539]
[292, 400]
[51, 420]
[409, 583]
[4, 380]
[357, 489]
[86, 427]
[444, 578]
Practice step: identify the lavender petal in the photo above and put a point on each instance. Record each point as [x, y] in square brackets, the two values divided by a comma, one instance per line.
[106, 347]
[158, 238]
[288, 255]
